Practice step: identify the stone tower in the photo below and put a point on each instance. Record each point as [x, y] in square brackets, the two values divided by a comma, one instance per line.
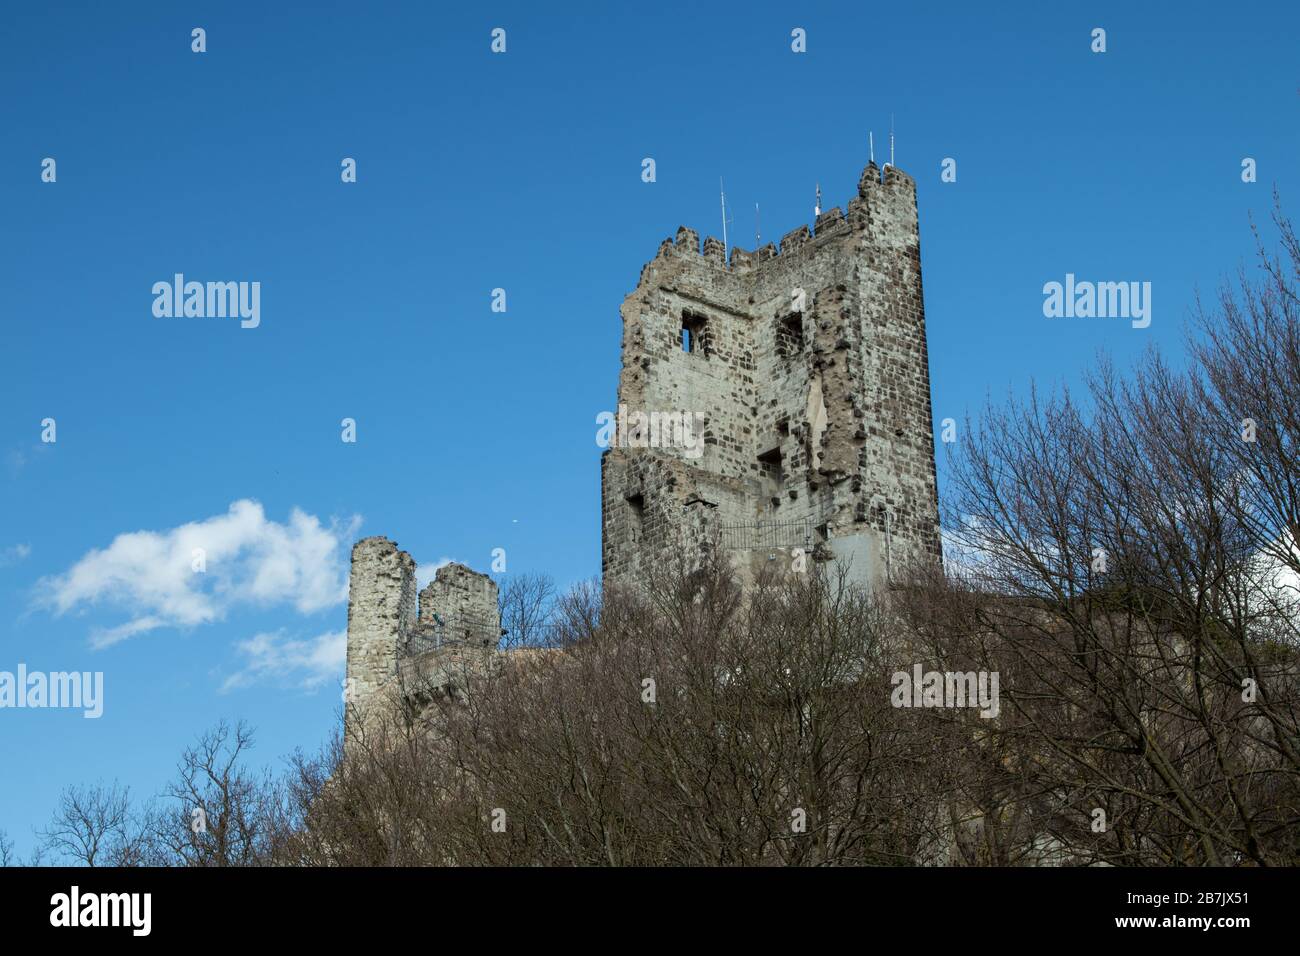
[390, 627]
[777, 406]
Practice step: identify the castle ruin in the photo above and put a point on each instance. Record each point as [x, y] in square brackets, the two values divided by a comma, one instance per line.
[794, 389]
[806, 368]
[454, 622]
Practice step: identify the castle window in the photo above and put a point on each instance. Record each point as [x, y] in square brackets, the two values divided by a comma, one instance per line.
[789, 335]
[694, 336]
[636, 512]
[770, 465]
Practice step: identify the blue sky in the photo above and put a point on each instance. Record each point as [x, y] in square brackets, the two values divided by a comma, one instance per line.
[475, 429]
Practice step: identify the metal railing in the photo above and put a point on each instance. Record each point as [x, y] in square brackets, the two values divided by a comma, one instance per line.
[459, 632]
[466, 632]
[757, 535]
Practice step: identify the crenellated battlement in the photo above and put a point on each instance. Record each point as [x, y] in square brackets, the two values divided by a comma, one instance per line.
[794, 239]
[882, 193]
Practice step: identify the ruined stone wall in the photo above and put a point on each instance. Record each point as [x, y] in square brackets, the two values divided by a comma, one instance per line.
[460, 595]
[897, 459]
[812, 376]
[395, 640]
[381, 613]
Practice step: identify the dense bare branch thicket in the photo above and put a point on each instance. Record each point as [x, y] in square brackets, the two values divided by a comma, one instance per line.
[689, 727]
[1132, 570]
[1124, 562]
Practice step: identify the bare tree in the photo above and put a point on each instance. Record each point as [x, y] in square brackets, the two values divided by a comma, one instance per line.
[526, 607]
[1127, 586]
[96, 826]
[216, 812]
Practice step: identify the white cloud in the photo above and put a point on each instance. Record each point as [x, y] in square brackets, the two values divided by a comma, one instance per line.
[108, 636]
[248, 561]
[273, 657]
[14, 554]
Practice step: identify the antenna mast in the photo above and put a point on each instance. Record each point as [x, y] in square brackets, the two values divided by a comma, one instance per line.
[891, 139]
[723, 194]
[817, 209]
[758, 236]
[871, 141]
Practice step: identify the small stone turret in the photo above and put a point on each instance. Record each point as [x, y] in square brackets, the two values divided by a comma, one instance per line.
[389, 627]
[381, 614]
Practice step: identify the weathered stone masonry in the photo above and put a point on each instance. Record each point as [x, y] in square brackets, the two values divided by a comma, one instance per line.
[810, 368]
[453, 619]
